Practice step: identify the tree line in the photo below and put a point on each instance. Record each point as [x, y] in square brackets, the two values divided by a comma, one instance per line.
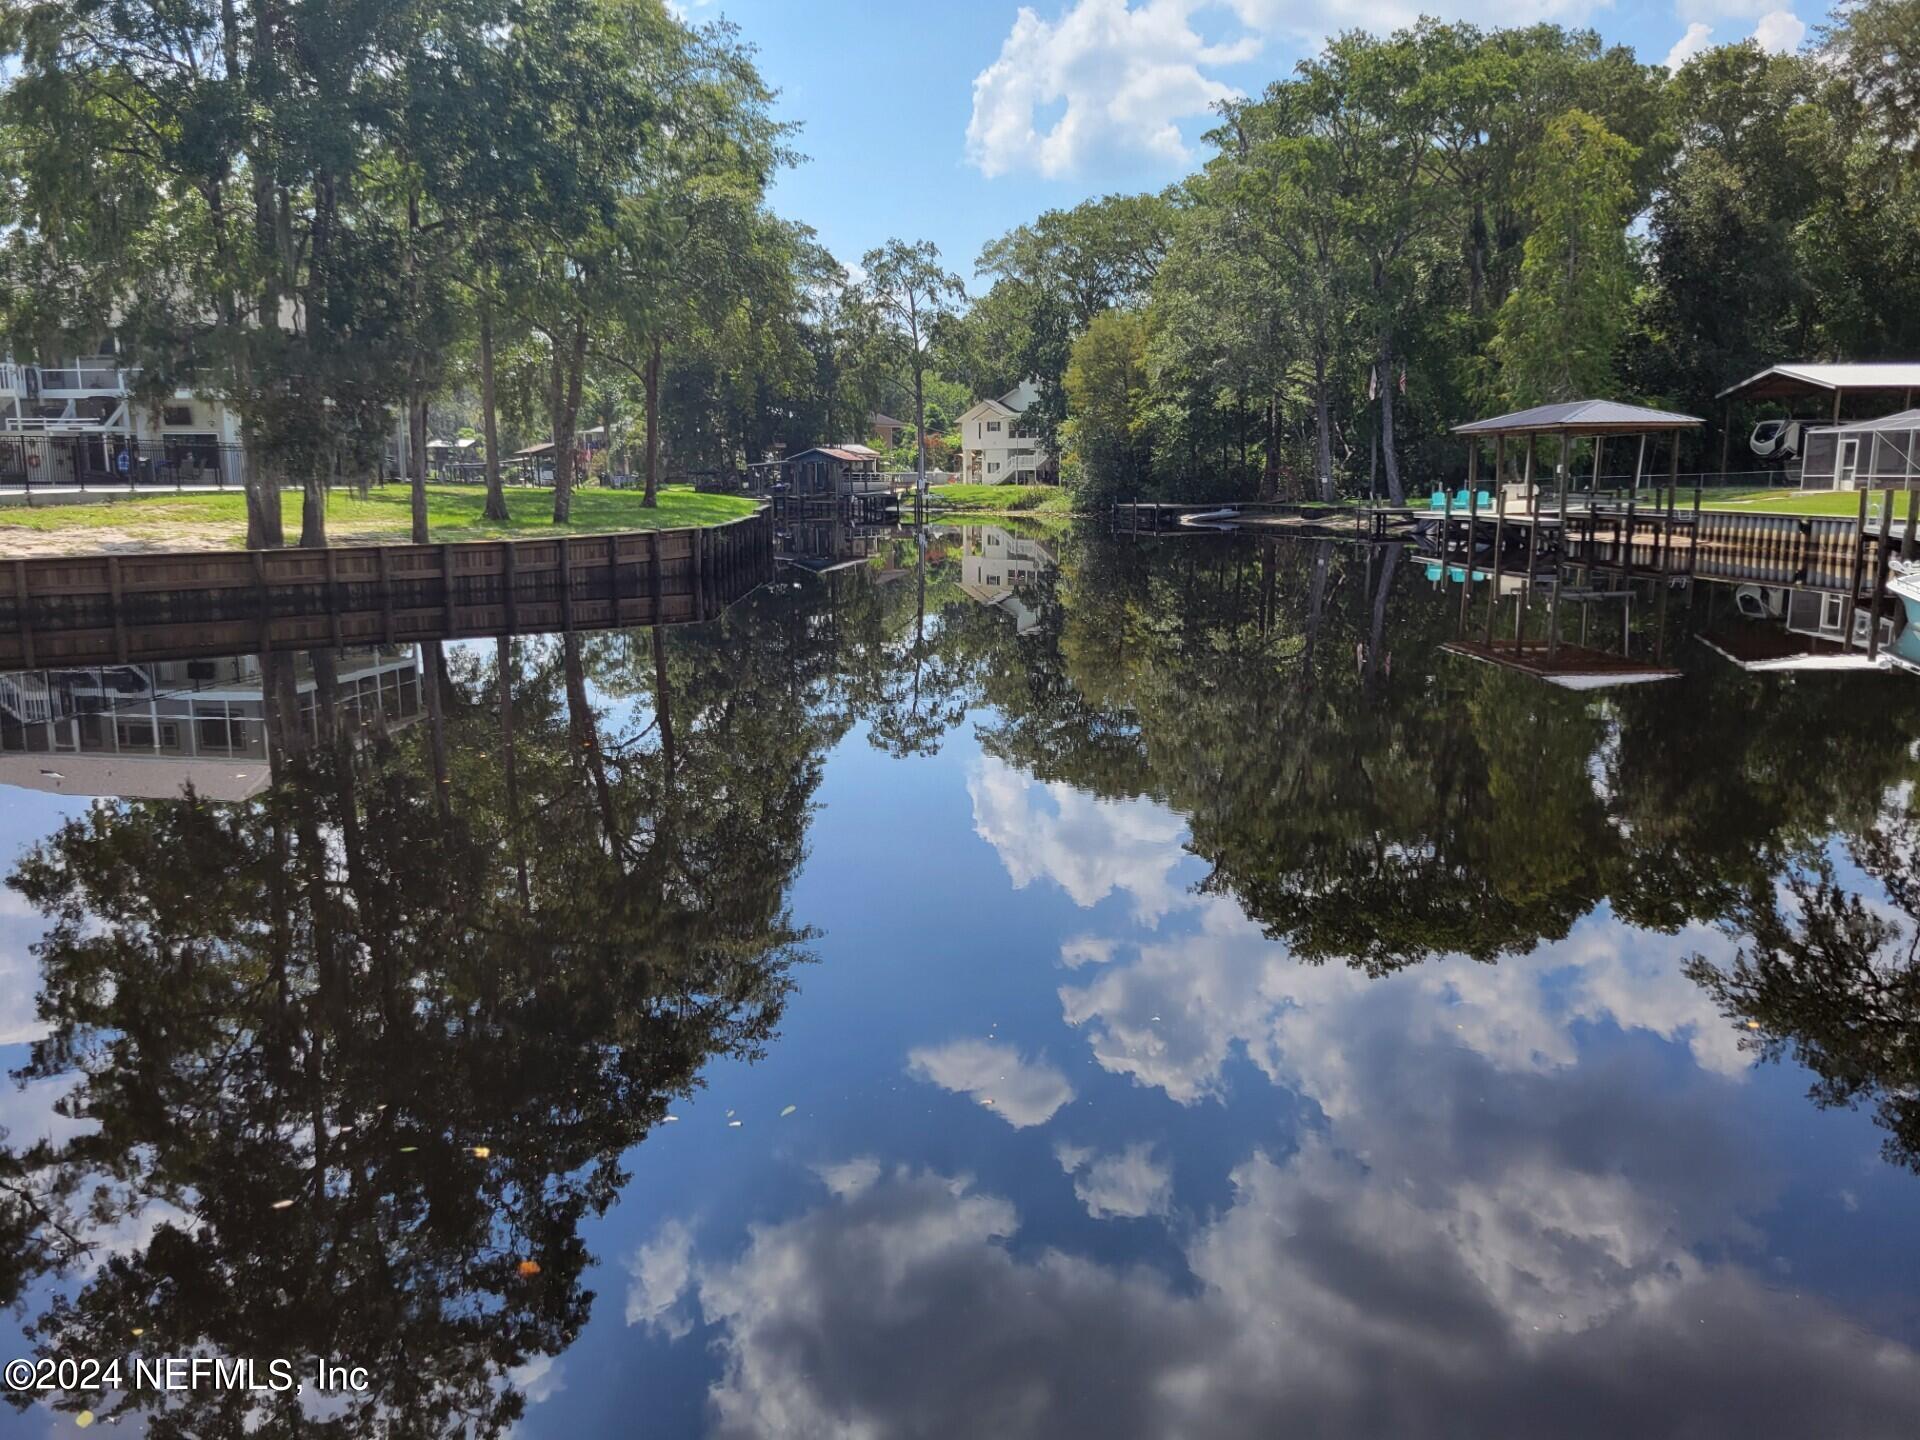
[1413, 229]
[519, 220]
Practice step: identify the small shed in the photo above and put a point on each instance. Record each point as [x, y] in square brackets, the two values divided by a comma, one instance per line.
[1865, 453]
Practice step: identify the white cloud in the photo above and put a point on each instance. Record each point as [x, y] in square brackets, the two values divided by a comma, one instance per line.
[1780, 30]
[1130, 1185]
[1125, 76]
[849, 1177]
[1021, 1092]
[1329, 1298]
[20, 1021]
[661, 1270]
[1106, 82]
[1089, 848]
[1697, 38]
[540, 1379]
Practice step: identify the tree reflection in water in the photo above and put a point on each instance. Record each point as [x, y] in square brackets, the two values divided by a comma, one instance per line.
[431, 985]
[358, 1057]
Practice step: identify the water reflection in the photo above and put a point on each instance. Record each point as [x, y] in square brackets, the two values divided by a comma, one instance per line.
[1235, 1015]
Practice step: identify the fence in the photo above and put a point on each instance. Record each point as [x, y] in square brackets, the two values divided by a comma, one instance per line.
[108, 463]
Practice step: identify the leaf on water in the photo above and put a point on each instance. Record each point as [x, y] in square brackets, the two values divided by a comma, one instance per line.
[733, 1124]
[83, 1419]
[408, 1149]
[1753, 1024]
[529, 1268]
[788, 1111]
[283, 1204]
[670, 1119]
[482, 1152]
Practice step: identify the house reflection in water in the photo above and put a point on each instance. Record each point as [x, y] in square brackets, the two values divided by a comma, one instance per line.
[148, 731]
[995, 563]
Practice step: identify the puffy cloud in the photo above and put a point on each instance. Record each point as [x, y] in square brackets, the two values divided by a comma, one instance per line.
[1021, 1092]
[1123, 77]
[1329, 1298]
[1130, 1185]
[1780, 30]
[1108, 81]
[661, 1270]
[1697, 38]
[1089, 848]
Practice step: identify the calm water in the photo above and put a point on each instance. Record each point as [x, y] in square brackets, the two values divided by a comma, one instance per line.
[1073, 988]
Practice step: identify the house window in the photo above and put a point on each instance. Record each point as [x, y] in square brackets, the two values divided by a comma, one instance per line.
[177, 415]
[993, 467]
[993, 426]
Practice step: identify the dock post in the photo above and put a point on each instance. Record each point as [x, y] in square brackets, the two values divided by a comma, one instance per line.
[1499, 541]
[1855, 572]
[1912, 537]
[1533, 546]
[1473, 530]
[510, 577]
[1883, 553]
[1560, 544]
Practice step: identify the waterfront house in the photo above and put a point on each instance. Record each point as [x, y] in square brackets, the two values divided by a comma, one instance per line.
[86, 420]
[886, 429]
[997, 446]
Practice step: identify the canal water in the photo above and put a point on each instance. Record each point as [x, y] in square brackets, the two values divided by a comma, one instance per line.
[1029, 984]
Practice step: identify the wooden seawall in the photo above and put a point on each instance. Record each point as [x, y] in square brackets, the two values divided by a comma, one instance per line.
[97, 609]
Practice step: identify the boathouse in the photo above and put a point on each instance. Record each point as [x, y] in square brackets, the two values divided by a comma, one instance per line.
[832, 470]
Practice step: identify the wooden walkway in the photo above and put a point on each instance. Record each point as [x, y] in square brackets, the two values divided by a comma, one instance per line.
[92, 610]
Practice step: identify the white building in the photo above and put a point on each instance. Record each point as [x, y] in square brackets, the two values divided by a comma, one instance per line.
[79, 423]
[996, 446]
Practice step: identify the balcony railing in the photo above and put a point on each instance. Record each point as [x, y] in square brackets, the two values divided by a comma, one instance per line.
[65, 380]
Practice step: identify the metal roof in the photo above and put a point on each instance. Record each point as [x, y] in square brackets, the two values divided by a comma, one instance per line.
[1579, 417]
[1904, 420]
[1779, 381]
[833, 450]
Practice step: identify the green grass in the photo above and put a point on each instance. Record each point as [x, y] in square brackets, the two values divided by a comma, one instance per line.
[1002, 499]
[453, 513]
[1794, 502]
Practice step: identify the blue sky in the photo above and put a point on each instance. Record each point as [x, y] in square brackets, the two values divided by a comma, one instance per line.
[954, 121]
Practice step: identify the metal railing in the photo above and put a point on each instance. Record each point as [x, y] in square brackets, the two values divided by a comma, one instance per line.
[31, 463]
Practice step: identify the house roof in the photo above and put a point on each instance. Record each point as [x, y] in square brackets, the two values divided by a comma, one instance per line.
[864, 452]
[1020, 397]
[1780, 381]
[837, 452]
[1579, 417]
[1903, 420]
[885, 422]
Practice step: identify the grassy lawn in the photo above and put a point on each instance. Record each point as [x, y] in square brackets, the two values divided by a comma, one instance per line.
[453, 513]
[1794, 502]
[1001, 499]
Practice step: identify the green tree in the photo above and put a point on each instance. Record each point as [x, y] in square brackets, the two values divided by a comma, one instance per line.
[1561, 329]
[910, 292]
[1107, 415]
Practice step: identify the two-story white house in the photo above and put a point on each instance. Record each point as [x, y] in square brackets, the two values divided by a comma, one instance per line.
[996, 446]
